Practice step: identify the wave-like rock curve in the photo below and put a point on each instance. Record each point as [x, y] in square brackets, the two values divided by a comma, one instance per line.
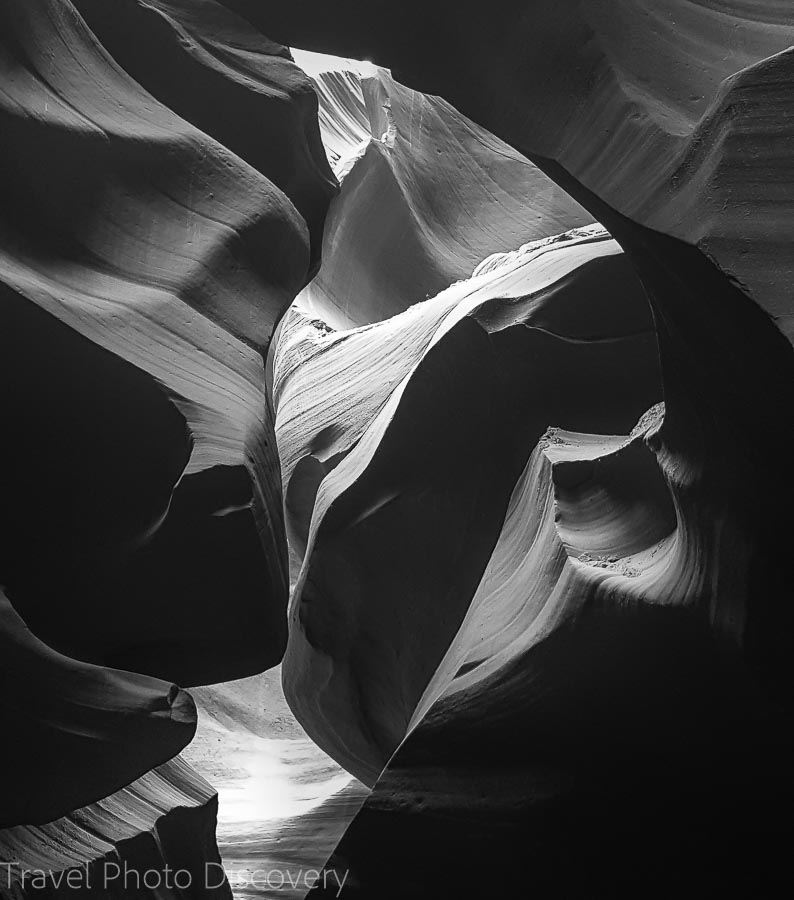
[426, 194]
[616, 675]
[214, 70]
[144, 266]
[394, 434]
[101, 727]
[153, 838]
[592, 708]
[667, 121]
[673, 113]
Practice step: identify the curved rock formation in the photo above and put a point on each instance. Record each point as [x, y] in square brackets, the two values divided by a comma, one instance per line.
[212, 68]
[283, 803]
[153, 838]
[150, 239]
[673, 113]
[342, 111]
[78, 732]
[667, 121]
[607, 737]
[143, 267]
[426, 194]
[393, 434]
[542, 613]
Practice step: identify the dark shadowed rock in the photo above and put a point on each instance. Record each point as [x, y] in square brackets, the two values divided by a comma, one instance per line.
[143, 267]
[401, 444]
[153, 838]
[77, 732]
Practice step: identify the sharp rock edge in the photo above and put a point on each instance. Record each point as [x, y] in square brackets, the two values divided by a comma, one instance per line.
[393, 434]
[617, 715]
[667, 122]
[150, 240]
[426, 195]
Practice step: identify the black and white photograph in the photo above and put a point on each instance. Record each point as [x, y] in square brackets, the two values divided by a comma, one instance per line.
[396, 422]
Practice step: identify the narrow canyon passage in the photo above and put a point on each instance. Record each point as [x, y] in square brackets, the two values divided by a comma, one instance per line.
[283, 804]
[394, 449]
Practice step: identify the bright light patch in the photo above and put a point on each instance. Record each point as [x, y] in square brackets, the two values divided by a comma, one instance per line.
[314, 64]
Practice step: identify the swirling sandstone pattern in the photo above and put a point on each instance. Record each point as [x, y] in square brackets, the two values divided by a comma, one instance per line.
[607, 738]
[394, 434]
[150, 239]
[229, 80]
[534, 523]
[673, 113]
[426, 194]
[144, 267]
[668, 122]
[161, 826]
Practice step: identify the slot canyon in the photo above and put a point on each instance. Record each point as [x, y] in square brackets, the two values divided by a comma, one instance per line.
[395, 403]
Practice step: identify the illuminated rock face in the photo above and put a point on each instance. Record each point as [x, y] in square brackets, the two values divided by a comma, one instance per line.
[153, 838]
[544, 659]
[426, 195]
[537, 523]
[617, 696]
[144, 267]
[164, 189]
[401, 445]
[670, 113]
[283, 803]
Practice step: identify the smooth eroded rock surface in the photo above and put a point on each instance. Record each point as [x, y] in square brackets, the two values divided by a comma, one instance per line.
[144, 264]
[536, 525]
[401, 444]
[77, 732]
[283, 803]
[426, 194]
[153, 838]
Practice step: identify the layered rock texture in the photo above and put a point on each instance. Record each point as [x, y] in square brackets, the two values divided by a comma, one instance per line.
[66, 719]
[610, 704]
[150, 239]
[522, 474]
[524, 610]
[154, 838]
[426, 194]
[144, 267]
[421, 425]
